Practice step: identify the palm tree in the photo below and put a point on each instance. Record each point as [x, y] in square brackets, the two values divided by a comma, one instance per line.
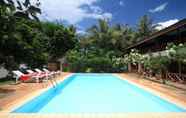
[122, 37]
[100, 33]
[145, 27]
[111, 38]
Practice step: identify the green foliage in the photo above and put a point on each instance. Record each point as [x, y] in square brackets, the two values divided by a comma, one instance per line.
[26, 40]
[19, 9]
[26, 45]
[111, 38]
[119, 64]
[134, 57]
[11, 44]
[61, 39]
[102, 48]
[145, 27]
[92, 62]
[177, 52]
[157, 63]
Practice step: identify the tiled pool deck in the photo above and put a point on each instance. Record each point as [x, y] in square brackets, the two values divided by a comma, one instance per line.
[24, 92]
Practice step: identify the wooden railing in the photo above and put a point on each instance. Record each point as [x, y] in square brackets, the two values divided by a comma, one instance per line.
[173, 77]
[147, 74]
[176, 77]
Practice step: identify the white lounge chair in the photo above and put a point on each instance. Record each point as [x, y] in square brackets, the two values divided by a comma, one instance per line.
[30, 71]
[17, 75]
[23, 77]
[38, 70]
[50, 76]
[55, 72]
[38, 74]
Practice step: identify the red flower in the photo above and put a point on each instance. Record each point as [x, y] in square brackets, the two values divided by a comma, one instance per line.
[65, 65]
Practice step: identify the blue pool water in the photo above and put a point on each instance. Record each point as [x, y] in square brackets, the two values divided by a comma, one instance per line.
[96, 93]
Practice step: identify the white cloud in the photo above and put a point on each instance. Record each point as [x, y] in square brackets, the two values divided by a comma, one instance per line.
[100, 16]
[166, 24]
[81, 32]
[96, 9]
[121, 3]
[71, 11]
[159, 8]
[107, 15]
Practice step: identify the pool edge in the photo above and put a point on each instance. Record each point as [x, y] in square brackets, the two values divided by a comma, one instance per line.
[19, 102]
[155, 92]
[93, 115]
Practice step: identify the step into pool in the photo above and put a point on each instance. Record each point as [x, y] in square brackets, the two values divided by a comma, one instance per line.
[96, 93]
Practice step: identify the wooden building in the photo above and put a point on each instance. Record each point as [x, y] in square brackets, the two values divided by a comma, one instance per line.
[158, 41]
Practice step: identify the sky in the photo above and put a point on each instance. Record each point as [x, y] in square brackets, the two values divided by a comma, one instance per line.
[85, 13]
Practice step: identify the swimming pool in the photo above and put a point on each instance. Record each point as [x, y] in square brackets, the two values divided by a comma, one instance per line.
[96, 93]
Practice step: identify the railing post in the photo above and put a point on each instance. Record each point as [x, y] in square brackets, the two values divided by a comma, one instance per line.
[129, 67]
[139, 68]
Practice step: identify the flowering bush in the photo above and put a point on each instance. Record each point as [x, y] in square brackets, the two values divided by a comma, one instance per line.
[119, 64]
[156, 63]
[134, 57]
[65, 67]
[177, 52]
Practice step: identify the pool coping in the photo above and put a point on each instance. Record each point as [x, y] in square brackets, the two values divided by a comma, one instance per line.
[155, 92]
[95, 115]
[18, 102]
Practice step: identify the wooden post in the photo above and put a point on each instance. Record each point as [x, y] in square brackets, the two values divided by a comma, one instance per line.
[139, 67]
[129, 67]
[179, 67]
[61, 61]
[163, 76]
[61, 66]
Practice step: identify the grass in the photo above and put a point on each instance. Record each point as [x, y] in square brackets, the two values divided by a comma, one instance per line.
[6, 80]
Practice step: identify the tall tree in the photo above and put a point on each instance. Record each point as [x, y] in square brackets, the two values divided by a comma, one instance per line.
[145, 27]
[122, 37]
[100, 33]
[11, 13]
[61, 39]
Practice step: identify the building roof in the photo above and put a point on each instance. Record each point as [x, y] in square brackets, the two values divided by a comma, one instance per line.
[162, 32]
